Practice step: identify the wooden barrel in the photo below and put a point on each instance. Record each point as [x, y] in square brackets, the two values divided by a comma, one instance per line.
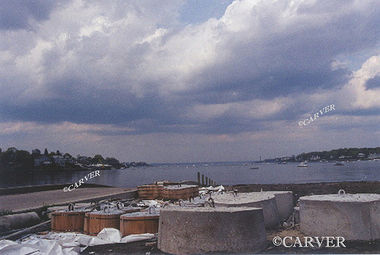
[94, 222]
[67, 221]
[139, 223]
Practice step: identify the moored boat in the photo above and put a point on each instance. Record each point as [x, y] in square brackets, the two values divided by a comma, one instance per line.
[302, 164]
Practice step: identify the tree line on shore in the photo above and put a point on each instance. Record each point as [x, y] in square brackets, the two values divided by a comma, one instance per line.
[342, 154]
[13, 158]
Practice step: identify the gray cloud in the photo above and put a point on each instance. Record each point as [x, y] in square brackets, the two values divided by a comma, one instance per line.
[373, 83]
[133, 64]
[17, 14]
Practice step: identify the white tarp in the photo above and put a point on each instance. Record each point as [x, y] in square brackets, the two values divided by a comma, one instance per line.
[205, 190]
[149, 203]
[37, 246]
[136, 237]
[65, 243]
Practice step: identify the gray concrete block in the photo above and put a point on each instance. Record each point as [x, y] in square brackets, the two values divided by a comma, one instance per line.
[185, 230]
[262, 200]
[296, 215]
[21, 220]
[284, 202]
[375, 220]
[352, 216]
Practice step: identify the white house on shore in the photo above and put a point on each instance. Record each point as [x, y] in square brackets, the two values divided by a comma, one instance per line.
[42, 161]
[374, 156]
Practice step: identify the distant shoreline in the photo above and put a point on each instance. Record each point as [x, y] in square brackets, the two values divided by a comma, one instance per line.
[59, 170]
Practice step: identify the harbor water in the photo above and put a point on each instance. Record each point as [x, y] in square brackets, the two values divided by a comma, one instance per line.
[226, 173]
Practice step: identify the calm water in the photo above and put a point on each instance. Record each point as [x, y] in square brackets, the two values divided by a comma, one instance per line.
[223, 173]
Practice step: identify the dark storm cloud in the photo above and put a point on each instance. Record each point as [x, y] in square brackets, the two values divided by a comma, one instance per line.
[17, 14]
[268, 85]
[100, 106]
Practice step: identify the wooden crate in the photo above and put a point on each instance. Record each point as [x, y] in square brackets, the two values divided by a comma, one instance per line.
[138, 224]
[70, 221]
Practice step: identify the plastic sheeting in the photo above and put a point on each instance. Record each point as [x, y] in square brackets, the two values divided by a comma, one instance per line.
[205, 190]
[37, 246]
[65, 243]
[149, 203]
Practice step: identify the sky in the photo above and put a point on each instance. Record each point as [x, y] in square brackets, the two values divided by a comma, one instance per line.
[189, 81]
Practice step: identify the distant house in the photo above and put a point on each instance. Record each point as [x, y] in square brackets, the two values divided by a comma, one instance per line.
[314, 158]
[59, 160]
[42, 161]
[84, 160]
[100, 166]
[361, 155]
[69, 159]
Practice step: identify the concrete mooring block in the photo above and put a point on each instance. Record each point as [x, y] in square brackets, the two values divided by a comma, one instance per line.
[284, 202]
[296, 215]
[189, 230]
[352, 216]
[263, 200]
